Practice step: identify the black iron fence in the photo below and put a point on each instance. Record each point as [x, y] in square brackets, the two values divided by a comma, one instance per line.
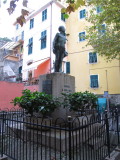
[91, 137]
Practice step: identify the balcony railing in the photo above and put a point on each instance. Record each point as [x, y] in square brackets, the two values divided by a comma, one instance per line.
[31, 81]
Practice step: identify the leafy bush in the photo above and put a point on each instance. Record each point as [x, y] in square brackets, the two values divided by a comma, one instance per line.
[36, 102]
[80, 100]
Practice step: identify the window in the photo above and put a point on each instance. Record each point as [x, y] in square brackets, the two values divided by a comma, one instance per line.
[31, 23]
[17, 26]
[21, 49]
[94, 81]
[16, 39]
[68, 67]
[20, 69]
[81, 36]
[30, 46]
[99, 9]
[82, 13]
[102, 29]
[92, 57]
[22, 35]
[44, 15]
[62, 17]
[43, 39]
[30, 75]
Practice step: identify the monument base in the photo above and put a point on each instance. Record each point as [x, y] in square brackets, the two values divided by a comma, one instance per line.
[55, 84]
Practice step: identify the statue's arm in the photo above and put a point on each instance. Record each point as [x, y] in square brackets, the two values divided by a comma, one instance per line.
[55, 41]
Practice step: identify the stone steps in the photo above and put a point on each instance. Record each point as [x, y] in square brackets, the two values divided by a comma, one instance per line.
[115, 155]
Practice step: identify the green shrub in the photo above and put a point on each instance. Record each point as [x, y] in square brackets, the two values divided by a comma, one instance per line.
[80, 100]
[36, 102]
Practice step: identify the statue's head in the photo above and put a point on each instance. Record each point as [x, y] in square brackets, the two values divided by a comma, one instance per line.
[61, 29]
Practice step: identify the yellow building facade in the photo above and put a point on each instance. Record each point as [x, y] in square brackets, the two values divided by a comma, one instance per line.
[91, 72]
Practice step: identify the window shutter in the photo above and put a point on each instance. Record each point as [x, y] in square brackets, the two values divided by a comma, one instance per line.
[99, 9]
[103, 28]
[68, 67]
[92, 57]
[20, 70]
[30, 41]
[30, 45]
[62, 16]
[80, 14]
[44, 15]
[22, 35]
[31, 23]
[94, 81]
[81, 36]
[84, 13]
[43, 39]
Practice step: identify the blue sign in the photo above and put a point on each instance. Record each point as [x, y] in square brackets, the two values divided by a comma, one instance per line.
[102, 104]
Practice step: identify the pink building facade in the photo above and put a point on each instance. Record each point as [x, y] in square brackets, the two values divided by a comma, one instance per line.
[10, 90]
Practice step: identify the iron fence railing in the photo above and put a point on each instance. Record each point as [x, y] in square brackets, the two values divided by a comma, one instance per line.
[91, 137]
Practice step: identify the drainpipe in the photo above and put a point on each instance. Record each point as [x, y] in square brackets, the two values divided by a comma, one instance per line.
[51, 38]
[119, 67]
[108, 91]
[106, 79]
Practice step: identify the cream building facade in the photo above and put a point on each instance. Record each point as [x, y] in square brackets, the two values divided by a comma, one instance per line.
[91, 71]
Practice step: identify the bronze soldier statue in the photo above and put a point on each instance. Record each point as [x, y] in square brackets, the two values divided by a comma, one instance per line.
[59, 48]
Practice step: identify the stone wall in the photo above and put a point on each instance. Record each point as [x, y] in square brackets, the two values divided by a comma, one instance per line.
[115, 99]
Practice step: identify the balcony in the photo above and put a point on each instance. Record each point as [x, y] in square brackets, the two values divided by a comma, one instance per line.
[12, 55]
[31, 81]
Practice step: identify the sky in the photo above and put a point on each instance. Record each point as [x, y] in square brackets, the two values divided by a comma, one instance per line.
[6, 20]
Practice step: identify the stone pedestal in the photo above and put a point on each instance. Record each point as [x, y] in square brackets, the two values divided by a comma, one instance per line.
[55, 84]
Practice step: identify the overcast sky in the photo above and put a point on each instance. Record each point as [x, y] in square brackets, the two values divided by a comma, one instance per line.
[6, 20]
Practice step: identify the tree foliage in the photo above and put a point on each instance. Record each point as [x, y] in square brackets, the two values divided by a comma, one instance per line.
[72, 5]
[12, 6]
[105, 41]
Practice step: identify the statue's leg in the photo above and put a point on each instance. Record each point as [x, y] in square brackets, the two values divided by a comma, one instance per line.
[61, 58]
[57, 62]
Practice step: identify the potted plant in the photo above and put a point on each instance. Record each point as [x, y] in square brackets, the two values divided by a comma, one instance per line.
[78, 102]
[36, 102]
[81, 101]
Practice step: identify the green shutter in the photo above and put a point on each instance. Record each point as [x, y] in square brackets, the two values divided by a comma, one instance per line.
[43, 39]
[62, 16]
[44, 15]
[94, 81]
[30, 45]
[20, 70]
[68, 67]
[92, 57]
